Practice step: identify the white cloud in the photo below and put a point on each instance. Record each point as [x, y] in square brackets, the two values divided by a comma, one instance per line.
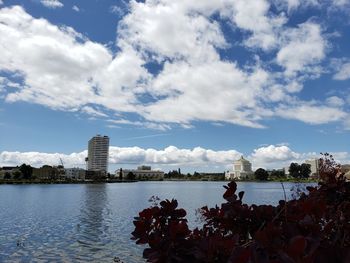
[79, 71]
[304, 46]
[52, 3]
[309, 113]
[76, 8]
[169, 156]
[344, 72]
[1, 2]
[37, 159]
[167, 30]
[187, 159]
[194, 83]
[93, 112]
[335, 101]
[273, 156]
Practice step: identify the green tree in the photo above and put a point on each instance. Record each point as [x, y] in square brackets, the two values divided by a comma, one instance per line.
[261, 174]
[130, 176]
[7, 175]
[278, 174]
[17, 175]
[294, 170]
[26, 170]
[305, 170]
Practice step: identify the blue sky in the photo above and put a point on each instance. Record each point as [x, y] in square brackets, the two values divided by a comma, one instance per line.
[175, 83]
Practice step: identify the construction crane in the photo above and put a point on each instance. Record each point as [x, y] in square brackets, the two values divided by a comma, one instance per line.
[61, 162]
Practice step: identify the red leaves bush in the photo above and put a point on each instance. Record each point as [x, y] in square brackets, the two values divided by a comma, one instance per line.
[314, 228]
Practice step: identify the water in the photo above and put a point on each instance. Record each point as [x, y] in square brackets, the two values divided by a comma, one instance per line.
[92, 223]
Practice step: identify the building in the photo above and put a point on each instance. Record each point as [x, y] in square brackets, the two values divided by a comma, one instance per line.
[98, 151]
[314, 166]
[8, 172]
[47, 172]
[75, 173]
[242, 169]
[141, 173]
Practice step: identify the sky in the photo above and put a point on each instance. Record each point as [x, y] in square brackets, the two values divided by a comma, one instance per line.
[175, 83]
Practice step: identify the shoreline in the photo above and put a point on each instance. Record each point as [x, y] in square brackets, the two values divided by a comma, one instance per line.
[19, 182]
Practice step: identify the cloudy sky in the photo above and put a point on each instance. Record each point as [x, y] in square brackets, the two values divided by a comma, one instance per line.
[175, 83]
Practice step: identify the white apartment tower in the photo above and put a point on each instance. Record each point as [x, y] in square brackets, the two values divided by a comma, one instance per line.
[98, 153]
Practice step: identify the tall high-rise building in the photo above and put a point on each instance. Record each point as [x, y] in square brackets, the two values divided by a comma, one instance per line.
[98, 153]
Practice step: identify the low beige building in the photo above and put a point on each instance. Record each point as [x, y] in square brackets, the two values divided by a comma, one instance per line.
[141, 173]
[75, 173]
[8, 171]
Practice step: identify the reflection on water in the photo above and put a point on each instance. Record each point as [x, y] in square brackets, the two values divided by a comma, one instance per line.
[92, 223]
[92, 230]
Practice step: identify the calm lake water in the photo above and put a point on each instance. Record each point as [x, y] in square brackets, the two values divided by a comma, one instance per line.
[92, 223]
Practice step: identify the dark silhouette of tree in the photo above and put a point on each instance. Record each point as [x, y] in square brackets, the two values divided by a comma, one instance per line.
[261, 174]
[294, 170]
[130, 176]
[26, 170]
[7, 175]
[17, 175]
[120, 174]
[305, 170]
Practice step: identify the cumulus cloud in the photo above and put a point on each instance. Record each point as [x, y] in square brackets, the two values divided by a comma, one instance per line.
[169, 156]
[274, 156]
[304, 46]
[79, 71]
[52, 3]
[271, 156]
[194, 82]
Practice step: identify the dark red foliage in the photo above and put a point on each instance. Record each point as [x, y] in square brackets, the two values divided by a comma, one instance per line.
[313, 228]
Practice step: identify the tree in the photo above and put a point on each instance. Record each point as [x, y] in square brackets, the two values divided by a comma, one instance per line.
[26, 170]
[278, 174]
[17, 175]
[294, 170]
[305, 170]
[7, 175]
[261, 174]
[130, 176]
[120, 174]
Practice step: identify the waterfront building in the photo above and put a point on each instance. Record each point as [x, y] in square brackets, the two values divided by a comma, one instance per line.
[8, 171]
[242, 169]
[98, 151]
[75, 173]
[141, 173]
[314, 166]
[47, 172]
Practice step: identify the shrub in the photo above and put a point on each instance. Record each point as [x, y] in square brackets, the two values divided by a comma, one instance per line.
[313, 228]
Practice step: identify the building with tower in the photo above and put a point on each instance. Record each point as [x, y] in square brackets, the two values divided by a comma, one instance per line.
[242, 169]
